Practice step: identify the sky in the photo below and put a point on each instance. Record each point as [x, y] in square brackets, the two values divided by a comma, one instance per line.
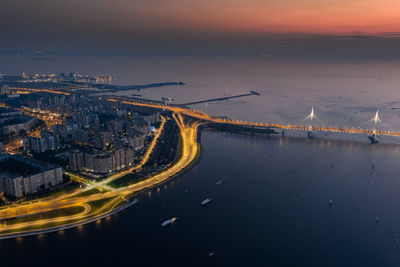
[186, 26]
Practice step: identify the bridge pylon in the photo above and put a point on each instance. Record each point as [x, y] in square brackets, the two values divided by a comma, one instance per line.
[311, 118]
[375, 120]
[373, 139]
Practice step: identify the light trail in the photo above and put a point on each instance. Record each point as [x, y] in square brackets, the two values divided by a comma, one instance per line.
[190, 150]
[203, 116]
[144, 160]
[23, 90]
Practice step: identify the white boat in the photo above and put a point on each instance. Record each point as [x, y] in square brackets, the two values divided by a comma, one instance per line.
[206, 201]
[169, 221]
[221, 181]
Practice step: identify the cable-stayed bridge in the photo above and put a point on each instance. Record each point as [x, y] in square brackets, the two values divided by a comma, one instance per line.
[308, 127]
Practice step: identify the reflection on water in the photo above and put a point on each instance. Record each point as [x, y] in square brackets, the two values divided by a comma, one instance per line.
[270, 196]
[270, 207]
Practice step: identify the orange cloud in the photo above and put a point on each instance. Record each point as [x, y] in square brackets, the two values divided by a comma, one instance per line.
[318, 16]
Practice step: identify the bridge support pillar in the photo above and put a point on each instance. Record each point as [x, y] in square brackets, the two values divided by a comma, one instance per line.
[269, 131]
[310, 134]
[372, 138]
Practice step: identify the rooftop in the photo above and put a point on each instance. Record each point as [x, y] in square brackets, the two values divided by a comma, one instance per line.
[15, 120]
[6, 110]
[15, 166]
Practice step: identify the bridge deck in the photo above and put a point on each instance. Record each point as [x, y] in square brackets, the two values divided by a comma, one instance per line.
[203, 116]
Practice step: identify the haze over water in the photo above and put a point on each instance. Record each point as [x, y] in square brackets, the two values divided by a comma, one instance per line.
[272, 206]
[343, 92]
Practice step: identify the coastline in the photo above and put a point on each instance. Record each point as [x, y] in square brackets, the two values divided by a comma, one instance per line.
[137, 194]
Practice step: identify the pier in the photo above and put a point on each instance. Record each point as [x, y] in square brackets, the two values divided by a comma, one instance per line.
[220, 98]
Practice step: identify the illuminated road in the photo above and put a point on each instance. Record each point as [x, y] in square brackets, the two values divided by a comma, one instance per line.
[21, 90]
[43, 205]
[115, 198]
[47, 117]
[190, 151]
[144, 160]
[203, 116]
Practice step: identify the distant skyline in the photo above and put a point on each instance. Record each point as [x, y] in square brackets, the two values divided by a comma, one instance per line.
[190, 26]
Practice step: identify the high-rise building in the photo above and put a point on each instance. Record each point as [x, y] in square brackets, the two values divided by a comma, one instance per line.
[142, 126]
[20, 176]
[47, 141]
[76, 160]
[107, 161]
[51, 140]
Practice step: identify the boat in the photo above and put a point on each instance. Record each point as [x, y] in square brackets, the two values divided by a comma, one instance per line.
[206, 201]
[169, 221]
[221, 181]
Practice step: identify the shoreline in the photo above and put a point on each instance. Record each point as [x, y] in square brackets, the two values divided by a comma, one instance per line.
[138, 194]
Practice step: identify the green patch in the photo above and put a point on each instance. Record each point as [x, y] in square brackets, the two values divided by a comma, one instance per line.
[87, 193]
[98, 204]
[17, 167]
[37, 227]
[95, 179]
[53, 192]
[131, 178]
[95, 205]
[45, 215]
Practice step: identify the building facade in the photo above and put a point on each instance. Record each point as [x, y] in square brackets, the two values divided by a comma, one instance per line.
[47, 141]
[102, 161]
[17, 184]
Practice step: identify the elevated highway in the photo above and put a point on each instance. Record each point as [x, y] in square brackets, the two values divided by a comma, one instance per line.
[207, 118]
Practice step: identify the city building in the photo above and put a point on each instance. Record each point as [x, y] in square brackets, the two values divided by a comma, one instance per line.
[151, 118]
[76, 160]
[4, 89]
[13, 125]
[6, 112]
[102, 139]
[87, 120]
[47, 141]
[142, 126]
[20, 176]
[65, 131]
[115, 126]
[51, 140]
[101, 161]
[135, 138]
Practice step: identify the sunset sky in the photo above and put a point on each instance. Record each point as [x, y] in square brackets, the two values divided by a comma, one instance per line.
[311, 16]
[47, 22]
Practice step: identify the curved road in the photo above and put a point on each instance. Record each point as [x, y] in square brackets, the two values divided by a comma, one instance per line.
[190, 150]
